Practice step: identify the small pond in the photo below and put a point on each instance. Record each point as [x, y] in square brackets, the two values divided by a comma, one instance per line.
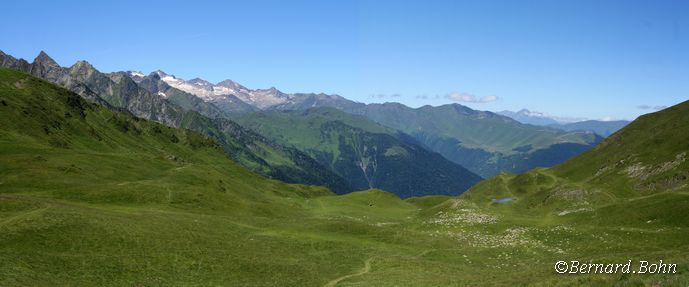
[502, 200]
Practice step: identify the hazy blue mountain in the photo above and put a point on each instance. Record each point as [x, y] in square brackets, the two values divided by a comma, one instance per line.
[529, 117]
[483, 142]
[603, 128]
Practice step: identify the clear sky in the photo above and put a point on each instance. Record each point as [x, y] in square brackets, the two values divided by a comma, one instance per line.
[594, 59]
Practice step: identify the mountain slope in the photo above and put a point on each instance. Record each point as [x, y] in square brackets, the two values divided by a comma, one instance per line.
[92, 197]
[58, 132]
[645, 162]
[625, 199]
[364, 153]
[483, 142]
[651, 153]
[96, 198]
[120, 92]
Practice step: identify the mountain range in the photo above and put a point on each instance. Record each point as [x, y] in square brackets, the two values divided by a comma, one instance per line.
[92, 195]
[484, 142]
[481, 142]
[602, 128]
[361, 162]
[228, 92]
[119, 92]
[501, 144]
[364, 152]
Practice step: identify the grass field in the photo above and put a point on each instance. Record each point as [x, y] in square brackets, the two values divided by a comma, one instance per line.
[93, 198]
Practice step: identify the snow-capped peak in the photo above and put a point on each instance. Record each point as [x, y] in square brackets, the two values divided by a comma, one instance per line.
[169, 79]
[160, 73]
[200, 82]
[136, 74]
[232, 85]
[209, 92]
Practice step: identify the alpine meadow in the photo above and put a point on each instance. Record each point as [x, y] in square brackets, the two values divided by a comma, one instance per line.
[441, 143]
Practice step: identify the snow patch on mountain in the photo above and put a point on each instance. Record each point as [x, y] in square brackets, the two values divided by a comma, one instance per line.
[261, 98]
[538, 118]
[136, 74]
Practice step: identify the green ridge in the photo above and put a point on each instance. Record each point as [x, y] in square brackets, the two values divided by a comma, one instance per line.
[366, 154]
[483, 142]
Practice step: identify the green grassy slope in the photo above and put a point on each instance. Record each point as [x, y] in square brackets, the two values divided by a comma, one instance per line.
[363, 152]
[89, 197]
[119, 92]
[54, 138]
[483, 142]
[651, 152]
[643, 160]
[92, 197]
[631, 190]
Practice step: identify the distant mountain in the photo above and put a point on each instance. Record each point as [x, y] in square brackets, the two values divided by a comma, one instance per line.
[484, 142]
[227, 92]
[366, 154]
[603, 128]
[528, 117]
[222, 107]
[224, 95]
[120, 92]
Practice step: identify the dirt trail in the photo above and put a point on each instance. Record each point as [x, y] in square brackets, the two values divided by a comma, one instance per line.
[366, 269]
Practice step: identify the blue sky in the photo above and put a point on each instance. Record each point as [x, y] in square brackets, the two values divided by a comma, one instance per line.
[593, 59]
